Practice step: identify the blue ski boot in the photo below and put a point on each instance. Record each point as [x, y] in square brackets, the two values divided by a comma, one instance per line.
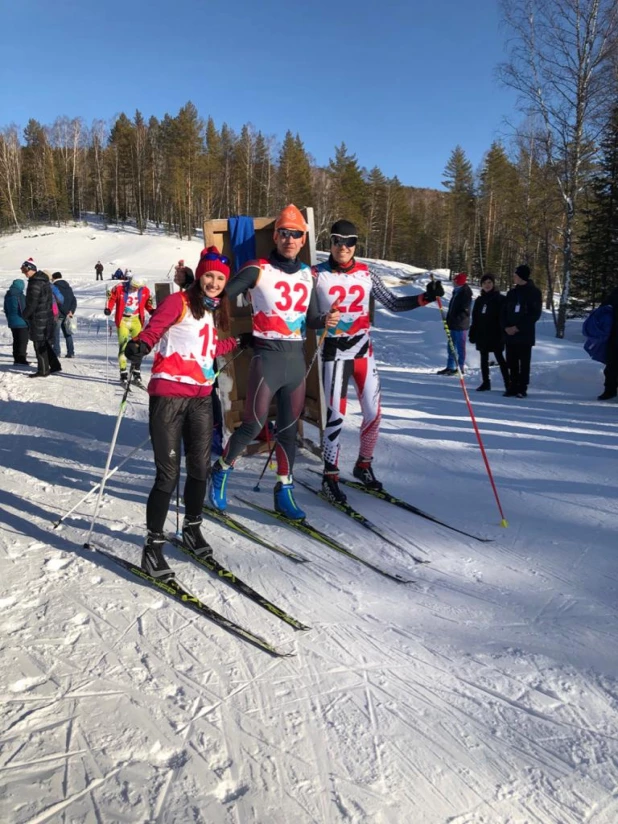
[285, 503]
[217, 493]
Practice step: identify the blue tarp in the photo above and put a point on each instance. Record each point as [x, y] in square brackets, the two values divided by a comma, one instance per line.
[242, 236]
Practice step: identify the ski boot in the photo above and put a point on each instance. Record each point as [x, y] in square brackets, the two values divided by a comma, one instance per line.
[217, 492]
[193, 538]
[124, 378]
[330, 485]
[484, 387]
[285, 503]
[446, 372]
[607, 395]
[364, 473]
[153, 560]
[136, 379]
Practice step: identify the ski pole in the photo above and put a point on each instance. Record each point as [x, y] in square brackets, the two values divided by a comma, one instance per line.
[451, 344]
[178, 533]
[106, 349]
[228, 362]
[321, 340]
[96, 486]
[256, 488]
[123, 406]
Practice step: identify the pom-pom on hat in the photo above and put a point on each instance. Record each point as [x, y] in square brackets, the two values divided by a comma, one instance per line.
[523, 272]
[460, 279]
[211, 260]
[290, 218]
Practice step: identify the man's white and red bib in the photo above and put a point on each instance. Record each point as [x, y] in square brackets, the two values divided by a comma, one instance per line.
[352, 291]
[279, 302]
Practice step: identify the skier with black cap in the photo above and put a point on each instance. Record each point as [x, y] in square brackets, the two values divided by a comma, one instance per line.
[347, 352]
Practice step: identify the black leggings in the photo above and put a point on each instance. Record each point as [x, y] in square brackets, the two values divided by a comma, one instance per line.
[497, 353]
[278, 375]
[173, 420]
[20, 343]
[518, 356]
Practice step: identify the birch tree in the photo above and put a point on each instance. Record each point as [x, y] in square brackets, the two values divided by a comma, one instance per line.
[10, 171]
[562, 64]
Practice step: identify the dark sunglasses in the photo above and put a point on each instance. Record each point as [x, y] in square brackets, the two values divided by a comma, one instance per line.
[344, 240]
[293, 233]
[214, 256]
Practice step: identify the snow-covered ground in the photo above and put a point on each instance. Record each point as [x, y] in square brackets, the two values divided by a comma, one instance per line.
[486, 693]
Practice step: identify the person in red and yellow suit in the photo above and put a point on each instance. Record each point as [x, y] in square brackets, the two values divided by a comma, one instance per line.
[185, 326]
[131, 300]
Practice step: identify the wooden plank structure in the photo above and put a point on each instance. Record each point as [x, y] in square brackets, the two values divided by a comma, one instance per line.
[233, 382]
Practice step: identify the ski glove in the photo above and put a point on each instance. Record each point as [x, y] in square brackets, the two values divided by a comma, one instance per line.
[434, 290]
[245, 340]
[136, 350]
[107, 312]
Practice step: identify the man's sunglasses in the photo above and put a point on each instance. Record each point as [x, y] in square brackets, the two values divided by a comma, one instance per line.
[344, 240]
[293, 233]
[214, 256]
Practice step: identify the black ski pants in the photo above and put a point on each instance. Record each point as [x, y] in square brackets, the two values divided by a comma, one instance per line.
[46, 358]
[278, 375]
[611, 366]
[518, 356]
[20, 344]
[174, 421]
[499, 356]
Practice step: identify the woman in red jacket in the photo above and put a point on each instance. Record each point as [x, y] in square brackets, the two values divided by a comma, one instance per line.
[185, 326]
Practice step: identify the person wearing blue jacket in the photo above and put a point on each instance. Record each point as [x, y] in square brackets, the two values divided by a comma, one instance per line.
[14, 305]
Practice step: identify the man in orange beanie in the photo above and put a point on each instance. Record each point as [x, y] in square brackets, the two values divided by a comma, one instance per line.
[283, 304]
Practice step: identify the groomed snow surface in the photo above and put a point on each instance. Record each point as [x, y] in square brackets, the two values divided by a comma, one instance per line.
[486, 693]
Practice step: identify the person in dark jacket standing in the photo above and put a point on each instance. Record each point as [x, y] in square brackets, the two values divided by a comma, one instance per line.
[522, 308]
[611, 363]
[66, 311]
[458, 322]
[40, 317]
[14, 305]
[99, 270]
[486, 331]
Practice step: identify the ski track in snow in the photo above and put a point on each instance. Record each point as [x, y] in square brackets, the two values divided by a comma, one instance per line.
[487, 693]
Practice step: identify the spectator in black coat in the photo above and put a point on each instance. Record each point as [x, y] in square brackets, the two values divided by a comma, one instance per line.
[521, 310]
[486, 331]
[99, 270]
[611, 364]
[66, 311]
[40, 317]
[458, 322]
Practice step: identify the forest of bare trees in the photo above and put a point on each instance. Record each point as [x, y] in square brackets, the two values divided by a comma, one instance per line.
[549, 198]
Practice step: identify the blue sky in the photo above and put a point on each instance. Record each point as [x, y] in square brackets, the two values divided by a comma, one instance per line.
[401, 83]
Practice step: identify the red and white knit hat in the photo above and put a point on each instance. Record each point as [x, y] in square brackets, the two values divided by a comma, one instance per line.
[211, 260]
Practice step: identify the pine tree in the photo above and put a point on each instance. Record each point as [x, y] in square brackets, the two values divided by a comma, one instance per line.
[293, 173]
[459, 211]
[596, 271]
[349, 190]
